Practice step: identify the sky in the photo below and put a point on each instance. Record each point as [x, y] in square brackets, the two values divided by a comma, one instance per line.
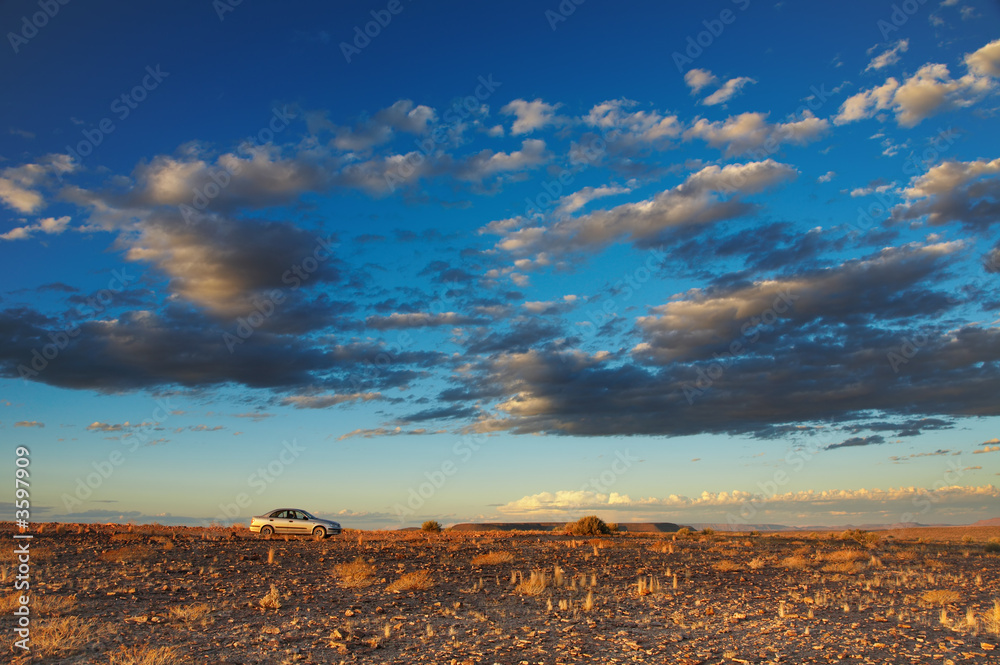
[733, 262]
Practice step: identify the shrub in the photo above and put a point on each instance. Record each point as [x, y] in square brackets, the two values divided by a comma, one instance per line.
[358, 573]
[591, 525]
[707, 532]
[431, 526]
[684, 532]
[991, 548]
[492, 558]
[940, 596]
[861, 537]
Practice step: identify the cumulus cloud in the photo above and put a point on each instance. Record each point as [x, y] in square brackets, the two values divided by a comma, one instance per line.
[19, 185]
[530, 116]
[700, 199]
[729, 89]
[954, 191]
[747, 132]
[404, 116]
[645, 126]
[49, 226]
[696, 79]
[930, 91]
[573, 202]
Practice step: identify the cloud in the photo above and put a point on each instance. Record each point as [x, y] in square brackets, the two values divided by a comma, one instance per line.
[398, 320]
[572, 202]
[403, 116]
[325, 401]
[530, 116]
[827, 177]
[729, 89]
[954, 191]
[622, 125]
[383, 431]
[888, 57]
[696, 79]
[49, 225]
[858, 441]
[19, 184]
[930, 91]
[29, 423]
[751, 131]
[98, 426]
[700, 199]
[987, 448]
[716, 505]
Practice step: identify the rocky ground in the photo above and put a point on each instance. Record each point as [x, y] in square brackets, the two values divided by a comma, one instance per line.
[151, 595]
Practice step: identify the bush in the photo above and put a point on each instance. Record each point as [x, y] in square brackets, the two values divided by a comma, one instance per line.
[591, 525]
[707, 532]
[431, 526]
[684, 532]
[861, 537]
[992, 548]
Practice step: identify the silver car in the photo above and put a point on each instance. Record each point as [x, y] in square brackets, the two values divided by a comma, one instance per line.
[293, 521]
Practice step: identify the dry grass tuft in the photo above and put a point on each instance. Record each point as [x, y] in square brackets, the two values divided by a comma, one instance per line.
[356, 574]
[191, 612]
[727, 566]
[756, 563]
[940, 596]
[492, 558]
[144, 655]
[534, 585]
[128, 553]
[272, 600]
[796, 562]
[63, 636]
[417, 581]
[844, 556]
[991, 618]
[844, 568]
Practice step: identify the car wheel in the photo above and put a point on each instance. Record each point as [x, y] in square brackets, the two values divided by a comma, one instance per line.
[319, 533]
[266, 531]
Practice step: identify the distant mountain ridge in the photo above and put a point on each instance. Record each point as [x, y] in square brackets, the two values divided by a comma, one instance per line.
[670, 527]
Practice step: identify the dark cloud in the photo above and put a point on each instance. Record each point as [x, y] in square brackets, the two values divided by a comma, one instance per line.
[856, 441]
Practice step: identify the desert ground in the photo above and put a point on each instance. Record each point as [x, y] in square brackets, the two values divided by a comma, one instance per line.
[152, 595]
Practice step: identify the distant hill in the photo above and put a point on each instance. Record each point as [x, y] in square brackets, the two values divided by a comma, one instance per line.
[995, 521]
[670, 527]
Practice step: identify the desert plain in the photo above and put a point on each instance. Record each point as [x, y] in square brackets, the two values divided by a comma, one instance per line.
[157, 595]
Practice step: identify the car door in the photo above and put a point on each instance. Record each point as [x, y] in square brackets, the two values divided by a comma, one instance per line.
[301, 522]
[283, 522]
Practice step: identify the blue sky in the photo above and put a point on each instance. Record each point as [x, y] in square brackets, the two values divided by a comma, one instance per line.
[394, 261]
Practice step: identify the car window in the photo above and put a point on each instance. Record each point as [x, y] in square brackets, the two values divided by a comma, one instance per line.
[301, 515]
[276, 514]
[282, 514]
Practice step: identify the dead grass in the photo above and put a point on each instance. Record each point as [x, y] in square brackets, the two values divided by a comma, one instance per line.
[38, 604]
[991, 618]
[417, 581]
[127, 553]
[726, 566]
[271, 600]
[940, 596]
[492, 558]
[844, 568]
[844, 556]
[144, 655]
[191, 612]
[756, 563]
[534, 585]
[63, 636]
[796, 562]
[355, 574]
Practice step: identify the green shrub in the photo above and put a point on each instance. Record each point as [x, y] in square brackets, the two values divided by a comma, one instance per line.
[431, 526]
[591, 525]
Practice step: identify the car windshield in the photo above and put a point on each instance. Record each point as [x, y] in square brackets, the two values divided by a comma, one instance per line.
[309, 516]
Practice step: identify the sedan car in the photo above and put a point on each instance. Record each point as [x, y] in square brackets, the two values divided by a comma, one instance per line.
[293, 521]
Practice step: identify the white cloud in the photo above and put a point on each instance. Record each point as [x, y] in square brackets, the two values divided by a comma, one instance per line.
[729, 89]
[19, 184]
[573, 202]
[827, 177]
[751, 131]
[889, 56]
[696, 79]
[930, 91]
[530, 115]
[647, 126]
[48, 225]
